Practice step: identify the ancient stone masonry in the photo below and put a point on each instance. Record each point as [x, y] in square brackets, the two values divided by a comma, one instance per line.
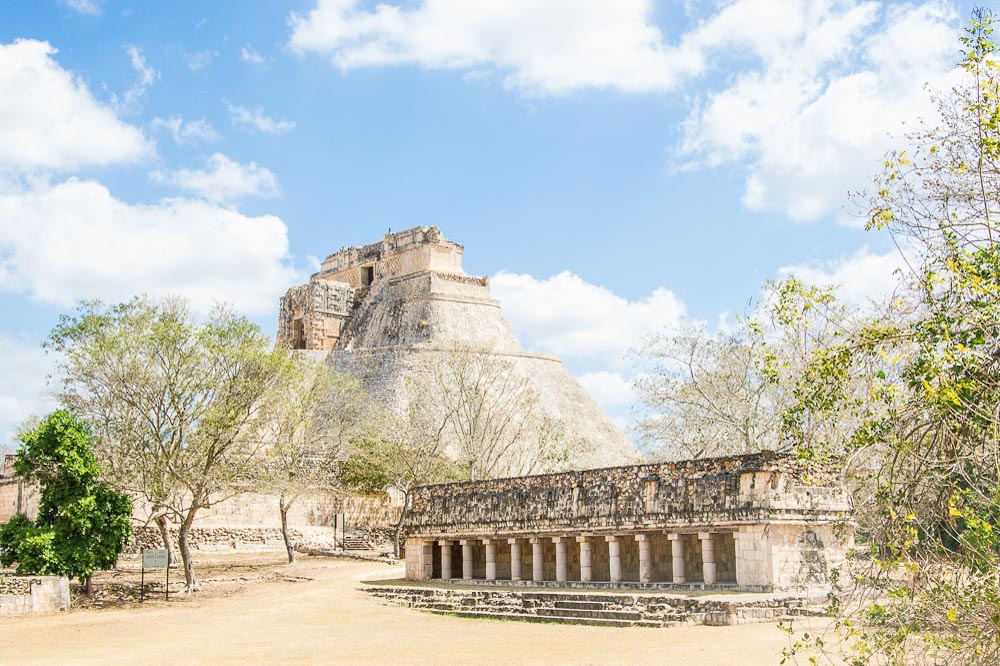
[751, 522]
[382, 311]
[26, 595]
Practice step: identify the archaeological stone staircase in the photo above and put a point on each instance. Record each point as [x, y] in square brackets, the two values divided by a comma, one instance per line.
[596, 608]
[356, 543]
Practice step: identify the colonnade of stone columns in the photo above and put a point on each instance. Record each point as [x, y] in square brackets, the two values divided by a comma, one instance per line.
[585, 545]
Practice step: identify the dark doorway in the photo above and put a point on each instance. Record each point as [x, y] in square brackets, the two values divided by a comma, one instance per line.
[367, 275]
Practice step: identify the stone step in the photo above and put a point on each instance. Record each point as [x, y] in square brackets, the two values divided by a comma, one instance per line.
[580, 604]
[564, 619]
[355, 543]
[588, 613]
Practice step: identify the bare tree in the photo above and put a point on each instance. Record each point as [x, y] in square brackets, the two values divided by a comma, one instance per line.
[710, 394]
[489, 416]
[315, 414]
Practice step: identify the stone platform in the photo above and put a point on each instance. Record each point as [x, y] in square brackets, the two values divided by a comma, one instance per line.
[595, 607]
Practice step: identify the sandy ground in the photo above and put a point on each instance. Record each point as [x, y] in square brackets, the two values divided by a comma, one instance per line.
[313, 611]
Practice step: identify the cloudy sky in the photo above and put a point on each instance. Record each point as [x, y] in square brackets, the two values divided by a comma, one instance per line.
[615, 165]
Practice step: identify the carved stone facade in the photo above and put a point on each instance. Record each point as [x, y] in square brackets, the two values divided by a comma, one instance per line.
[382, 311]
[747, 522]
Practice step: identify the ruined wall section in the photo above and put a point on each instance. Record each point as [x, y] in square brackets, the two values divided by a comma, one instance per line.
[312, 315]
[750, 489]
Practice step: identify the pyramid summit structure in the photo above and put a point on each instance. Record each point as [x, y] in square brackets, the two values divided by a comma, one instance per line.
[379, 311]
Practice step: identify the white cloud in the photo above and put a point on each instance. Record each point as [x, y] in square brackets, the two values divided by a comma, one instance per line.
[579, 321]
[834, 80]
[186, 131]
[223, 180]
[147, 76]
[612, 390]
[813, 92]
[247, 54]
[74, 240]
[861, 278]
[24, 391]
[91, 7]
[255, 120]
[539, 46]
[200, 60]
[50, 120]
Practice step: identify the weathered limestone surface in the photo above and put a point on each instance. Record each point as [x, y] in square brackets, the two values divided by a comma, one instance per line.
[413, 302]
[748, 489]
[26, 595]
[750, 522]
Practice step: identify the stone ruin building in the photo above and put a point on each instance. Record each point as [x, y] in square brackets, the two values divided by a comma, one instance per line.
[379, 310]
[750, 523]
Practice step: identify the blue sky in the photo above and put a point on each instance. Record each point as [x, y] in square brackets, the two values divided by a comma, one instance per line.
[616, 166]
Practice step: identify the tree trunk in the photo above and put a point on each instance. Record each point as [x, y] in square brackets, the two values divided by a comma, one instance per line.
[190, 582]
[283, 507]
[164, 527]
[88, 586]
[399, 523]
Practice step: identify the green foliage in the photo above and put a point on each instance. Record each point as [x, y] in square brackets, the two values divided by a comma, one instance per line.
[928, 499]
[179, 405]
[83, 525]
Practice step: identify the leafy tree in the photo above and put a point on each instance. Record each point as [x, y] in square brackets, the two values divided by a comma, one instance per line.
[177, 404]
[926, 589]
[399, 452]
[314, 415]
[83, 524]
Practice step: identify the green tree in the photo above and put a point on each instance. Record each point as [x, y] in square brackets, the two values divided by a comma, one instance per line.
[83, 524]
[927, 587]
[178, 405]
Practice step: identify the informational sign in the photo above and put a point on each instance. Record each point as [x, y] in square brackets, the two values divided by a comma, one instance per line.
[154, 558]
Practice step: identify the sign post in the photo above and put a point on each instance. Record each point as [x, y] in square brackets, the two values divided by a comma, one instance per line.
[154, 558]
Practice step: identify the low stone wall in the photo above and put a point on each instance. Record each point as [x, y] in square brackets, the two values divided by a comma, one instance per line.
[654, 610]
[26, 595]
[245, 539]
[262, 539]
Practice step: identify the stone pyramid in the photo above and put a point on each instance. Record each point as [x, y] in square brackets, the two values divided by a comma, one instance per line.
[378, 310]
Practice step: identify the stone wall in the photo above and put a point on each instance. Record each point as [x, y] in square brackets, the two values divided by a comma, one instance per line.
[17, 497]
[749, 489]
[26, 595]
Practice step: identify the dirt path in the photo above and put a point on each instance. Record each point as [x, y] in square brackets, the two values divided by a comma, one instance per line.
[325, 618]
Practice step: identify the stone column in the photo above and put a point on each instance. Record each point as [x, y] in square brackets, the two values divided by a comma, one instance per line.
[677, 551]
[615, 558]
[467, 558]
[586, 561]
[645, 559]
[491, 558]
[537, 559]
[515, 558]
[561, 564]
[708, 557]
[445, 558]
[427, 557]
